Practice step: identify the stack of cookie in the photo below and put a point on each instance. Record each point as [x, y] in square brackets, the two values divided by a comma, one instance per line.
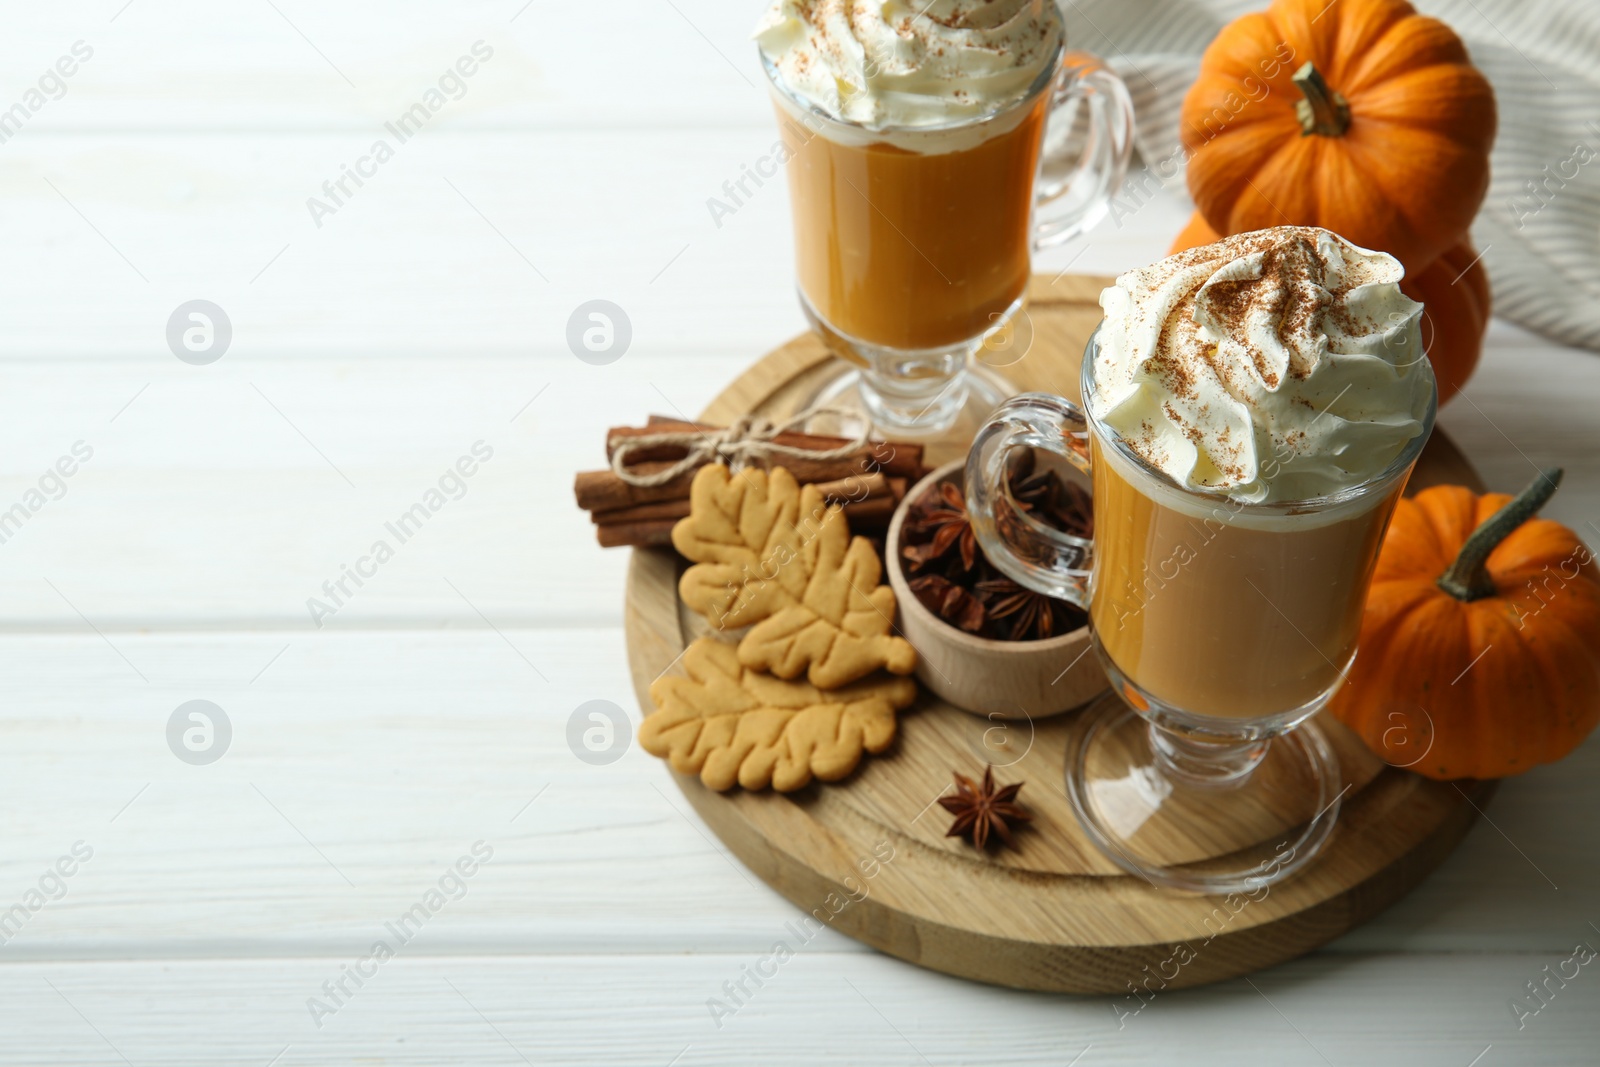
[777, 561]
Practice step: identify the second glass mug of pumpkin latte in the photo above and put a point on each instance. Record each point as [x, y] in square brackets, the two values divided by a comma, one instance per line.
[930, 147]
[1251, 412]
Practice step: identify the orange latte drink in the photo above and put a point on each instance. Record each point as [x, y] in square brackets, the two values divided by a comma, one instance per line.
[913, 134]
[913, 248]
[1181, 591]
[1251, 412]
[1246, 394]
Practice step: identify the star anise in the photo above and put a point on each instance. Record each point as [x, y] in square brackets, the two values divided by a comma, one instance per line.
[938, 522]
[1023, 614]
[982, 810]
[950, 575]
[949, 601]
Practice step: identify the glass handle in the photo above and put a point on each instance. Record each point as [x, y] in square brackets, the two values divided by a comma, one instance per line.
[1026, 550]
[1087, 141]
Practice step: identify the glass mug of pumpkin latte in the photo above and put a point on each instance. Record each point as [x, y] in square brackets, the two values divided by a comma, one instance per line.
[920, 137]
[1252, 410]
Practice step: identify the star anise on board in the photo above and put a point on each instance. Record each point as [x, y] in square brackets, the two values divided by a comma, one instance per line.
[982, 810]
[1025, 615]
[935, 523]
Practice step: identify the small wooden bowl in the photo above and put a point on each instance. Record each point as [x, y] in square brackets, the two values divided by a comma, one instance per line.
[997, 679]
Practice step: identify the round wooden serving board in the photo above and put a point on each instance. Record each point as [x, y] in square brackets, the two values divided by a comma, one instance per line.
[869, 857]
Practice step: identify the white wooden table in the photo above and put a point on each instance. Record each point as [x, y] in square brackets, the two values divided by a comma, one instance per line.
[430, 712]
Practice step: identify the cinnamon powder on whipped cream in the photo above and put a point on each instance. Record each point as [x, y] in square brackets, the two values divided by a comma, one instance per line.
[908, 63]
[1282, 364]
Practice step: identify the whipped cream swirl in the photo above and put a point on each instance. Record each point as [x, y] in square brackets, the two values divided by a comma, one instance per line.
[1272, 366]
[894, 63]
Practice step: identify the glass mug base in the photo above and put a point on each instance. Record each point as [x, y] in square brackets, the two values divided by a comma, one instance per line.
[916, 393]
[1179, 832]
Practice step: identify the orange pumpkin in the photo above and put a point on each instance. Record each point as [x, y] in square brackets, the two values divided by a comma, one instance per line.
[1454, 293]
[1360, 116]
[1480, 645]
[1196, 232]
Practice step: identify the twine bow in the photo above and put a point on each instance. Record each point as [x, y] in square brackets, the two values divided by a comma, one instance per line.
[751, 439]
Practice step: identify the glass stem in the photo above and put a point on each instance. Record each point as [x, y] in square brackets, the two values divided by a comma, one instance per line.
[1221, 764]
[910, 395]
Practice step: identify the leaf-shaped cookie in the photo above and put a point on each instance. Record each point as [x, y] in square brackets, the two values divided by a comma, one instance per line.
[733, 725]
[775, 557]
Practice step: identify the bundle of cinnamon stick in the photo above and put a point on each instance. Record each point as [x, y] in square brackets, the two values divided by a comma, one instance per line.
[868, 484]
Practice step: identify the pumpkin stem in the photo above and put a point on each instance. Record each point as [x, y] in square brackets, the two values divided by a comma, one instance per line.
[1323, 111]
[1468, 577]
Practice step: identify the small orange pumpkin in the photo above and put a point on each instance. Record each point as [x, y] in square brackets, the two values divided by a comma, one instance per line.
[1196, 232]
[1361, 116]
[1480, 646]
[1454, 292]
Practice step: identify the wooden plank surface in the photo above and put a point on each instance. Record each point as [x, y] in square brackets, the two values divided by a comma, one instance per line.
[632, 1010]
[216, 492]
[390, 750]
